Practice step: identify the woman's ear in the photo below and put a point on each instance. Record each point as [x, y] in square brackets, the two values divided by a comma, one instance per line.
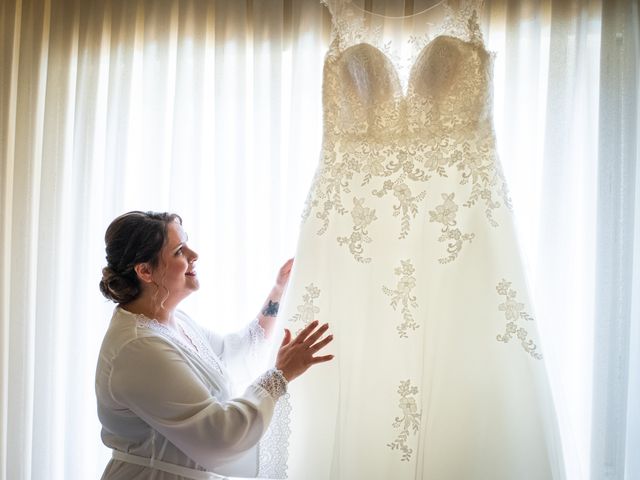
[143, 270]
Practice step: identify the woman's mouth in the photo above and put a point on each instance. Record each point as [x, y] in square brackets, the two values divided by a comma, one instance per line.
[191, 274]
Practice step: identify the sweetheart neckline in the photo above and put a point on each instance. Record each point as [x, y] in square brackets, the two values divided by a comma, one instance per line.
[460, 23]
[404, 91]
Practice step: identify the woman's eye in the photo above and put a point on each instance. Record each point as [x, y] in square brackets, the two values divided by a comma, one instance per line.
[179, 251]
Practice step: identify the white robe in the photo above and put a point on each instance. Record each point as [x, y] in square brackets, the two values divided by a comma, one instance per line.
[160, 398]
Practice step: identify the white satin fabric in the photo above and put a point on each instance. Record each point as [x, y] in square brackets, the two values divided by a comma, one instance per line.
[408, 250]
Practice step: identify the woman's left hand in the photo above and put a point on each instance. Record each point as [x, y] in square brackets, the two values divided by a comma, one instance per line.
[283, 275]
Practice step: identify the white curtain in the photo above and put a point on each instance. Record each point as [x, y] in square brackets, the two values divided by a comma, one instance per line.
[616, 367]
[212, 109]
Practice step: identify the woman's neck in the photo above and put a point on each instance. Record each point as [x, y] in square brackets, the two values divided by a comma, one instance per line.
[150, 309]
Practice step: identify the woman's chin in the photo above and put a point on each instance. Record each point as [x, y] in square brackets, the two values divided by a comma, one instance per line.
[193, 284]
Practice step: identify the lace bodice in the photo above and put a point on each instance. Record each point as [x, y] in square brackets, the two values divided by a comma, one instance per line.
[445, 66]
[381, 139]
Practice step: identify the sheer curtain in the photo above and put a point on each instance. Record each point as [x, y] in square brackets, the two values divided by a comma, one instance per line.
[212, 109]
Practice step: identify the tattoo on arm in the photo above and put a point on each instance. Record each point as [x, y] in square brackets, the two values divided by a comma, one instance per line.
[271, 310]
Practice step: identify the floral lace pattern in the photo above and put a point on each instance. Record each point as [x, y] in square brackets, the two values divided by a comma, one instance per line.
[463, 23]
[402, 295]
[380, 141]
[307, 311]
[408, 421]
[445, 214]
[362, 218]
[407, 206]
[513, 313]
[409, 151]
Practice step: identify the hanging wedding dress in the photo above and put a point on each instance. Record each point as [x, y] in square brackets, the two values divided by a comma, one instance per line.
[407, 249]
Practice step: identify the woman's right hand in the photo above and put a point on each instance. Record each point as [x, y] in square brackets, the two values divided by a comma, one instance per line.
[296, 356]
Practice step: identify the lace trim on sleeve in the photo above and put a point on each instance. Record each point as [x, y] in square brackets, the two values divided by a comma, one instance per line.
[257, 335]
[273, 449]
[257, 339]
[273, 381]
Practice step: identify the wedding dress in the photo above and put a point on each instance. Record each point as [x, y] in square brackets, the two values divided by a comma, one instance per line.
[407, 248]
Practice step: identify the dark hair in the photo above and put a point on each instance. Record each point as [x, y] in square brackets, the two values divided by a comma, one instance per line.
[133, 238]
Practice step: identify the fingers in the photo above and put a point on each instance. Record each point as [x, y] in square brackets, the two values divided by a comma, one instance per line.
[321, 344]
[311, 339]
[324, 358]
[286, 268]
[287, 337]
[304, 333]
[295, 357]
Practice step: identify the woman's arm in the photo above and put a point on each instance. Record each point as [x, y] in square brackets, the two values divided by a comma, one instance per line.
[241, 349]
[153, 380]
[269, 311]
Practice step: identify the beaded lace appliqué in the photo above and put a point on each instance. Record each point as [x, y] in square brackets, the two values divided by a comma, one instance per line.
[307, 310]
[513, 313]
[408, 421]
[377, 136]
[402, 295]
[445, 214]
[362, 218]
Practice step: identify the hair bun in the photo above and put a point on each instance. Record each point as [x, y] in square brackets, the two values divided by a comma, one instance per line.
[117, 287]
[132, 238]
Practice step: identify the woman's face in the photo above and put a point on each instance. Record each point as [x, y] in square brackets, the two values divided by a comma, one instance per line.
[175, 272]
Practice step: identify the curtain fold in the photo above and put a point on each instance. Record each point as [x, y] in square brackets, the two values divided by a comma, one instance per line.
[616, 416]
[212, 109]
[564, 268]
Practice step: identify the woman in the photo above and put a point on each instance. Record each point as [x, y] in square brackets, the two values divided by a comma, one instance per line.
[164, 384]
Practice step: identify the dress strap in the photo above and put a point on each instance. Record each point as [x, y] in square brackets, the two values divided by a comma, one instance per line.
[333, 6]
[463, 19]
[185, 472]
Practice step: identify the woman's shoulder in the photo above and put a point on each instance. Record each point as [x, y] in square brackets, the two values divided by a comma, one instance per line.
[127, 327]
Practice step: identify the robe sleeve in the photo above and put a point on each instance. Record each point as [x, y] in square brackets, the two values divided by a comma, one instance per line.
[154, 381]
[245, 352]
